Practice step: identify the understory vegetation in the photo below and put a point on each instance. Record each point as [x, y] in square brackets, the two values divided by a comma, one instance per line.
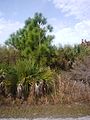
[28, 58]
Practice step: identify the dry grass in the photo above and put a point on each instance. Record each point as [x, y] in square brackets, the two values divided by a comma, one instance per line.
[68, 91]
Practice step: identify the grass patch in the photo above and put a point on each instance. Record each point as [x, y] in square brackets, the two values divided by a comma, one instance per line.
[58, 110]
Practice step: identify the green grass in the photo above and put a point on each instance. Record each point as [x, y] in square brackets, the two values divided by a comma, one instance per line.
[58, 110]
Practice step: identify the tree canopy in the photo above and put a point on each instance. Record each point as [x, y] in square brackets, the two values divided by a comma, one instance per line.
[33, 40]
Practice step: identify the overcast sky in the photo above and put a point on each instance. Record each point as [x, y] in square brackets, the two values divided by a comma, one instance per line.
[70, 18]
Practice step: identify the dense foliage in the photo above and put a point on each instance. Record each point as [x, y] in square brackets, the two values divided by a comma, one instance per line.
[29, 56]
